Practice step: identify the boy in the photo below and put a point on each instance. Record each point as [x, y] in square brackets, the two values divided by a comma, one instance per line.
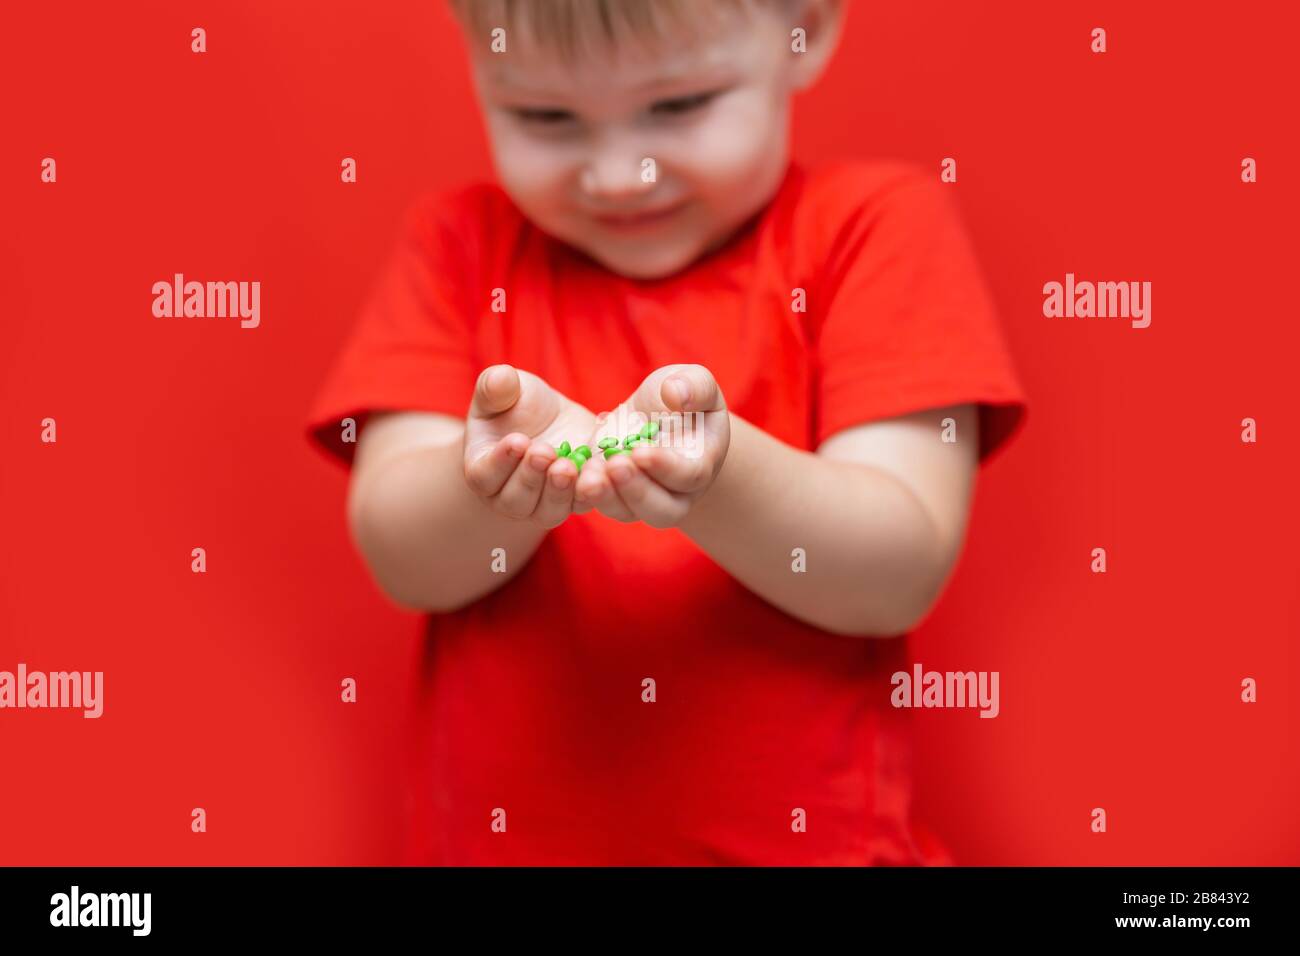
[667, 657]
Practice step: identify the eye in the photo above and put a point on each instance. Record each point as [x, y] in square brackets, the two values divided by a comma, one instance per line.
[683, 104]
[543, 117]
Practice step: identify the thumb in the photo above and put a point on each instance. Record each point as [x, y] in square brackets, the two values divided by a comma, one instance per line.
[498, 388]
[692, 388]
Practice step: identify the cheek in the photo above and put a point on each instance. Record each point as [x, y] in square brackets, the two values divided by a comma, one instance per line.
[736, 143]
[530, 172]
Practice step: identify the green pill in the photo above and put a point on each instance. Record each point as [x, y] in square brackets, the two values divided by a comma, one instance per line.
[584, 451]
[564, 449]
[606, 443]
[634, 442]
[611, 452]
[650, 430]
[578, 462]
[630, 438]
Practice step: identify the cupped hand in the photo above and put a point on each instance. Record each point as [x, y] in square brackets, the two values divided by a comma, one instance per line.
[658, 483]
[515, 421]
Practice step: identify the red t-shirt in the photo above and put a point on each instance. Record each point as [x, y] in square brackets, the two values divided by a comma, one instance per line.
[532, 696]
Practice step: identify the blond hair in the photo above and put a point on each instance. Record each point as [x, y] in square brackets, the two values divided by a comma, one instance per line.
[575, 27]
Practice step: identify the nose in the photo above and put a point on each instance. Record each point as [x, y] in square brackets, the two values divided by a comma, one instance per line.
[616, 172]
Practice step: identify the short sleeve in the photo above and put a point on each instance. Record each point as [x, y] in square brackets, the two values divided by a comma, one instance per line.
[909, 323]
[411, 347]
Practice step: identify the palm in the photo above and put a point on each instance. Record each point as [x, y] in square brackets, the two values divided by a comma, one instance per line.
[540, 413]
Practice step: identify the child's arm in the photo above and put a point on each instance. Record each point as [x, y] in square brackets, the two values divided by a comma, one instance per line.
[432, 497]
[880, 511]
[425, 535]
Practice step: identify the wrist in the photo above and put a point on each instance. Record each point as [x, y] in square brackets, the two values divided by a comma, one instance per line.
[716, 500]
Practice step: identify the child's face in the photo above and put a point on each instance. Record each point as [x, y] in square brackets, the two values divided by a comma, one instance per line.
[570, 145]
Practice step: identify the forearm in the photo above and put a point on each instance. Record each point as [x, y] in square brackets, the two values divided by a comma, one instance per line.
[874, 563]
[427, 538]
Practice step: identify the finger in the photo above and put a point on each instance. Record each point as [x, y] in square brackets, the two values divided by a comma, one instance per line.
[557, 494]
[523, 489]
[497, 389]
[489, 469]
[595, 491]
[692, 388]
[581, 507]
[645, 498]
[672, 471]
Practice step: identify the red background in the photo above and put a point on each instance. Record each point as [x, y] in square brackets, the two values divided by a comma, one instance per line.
[222, 689]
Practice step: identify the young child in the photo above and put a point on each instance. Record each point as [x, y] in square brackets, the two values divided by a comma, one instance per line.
[680, 655]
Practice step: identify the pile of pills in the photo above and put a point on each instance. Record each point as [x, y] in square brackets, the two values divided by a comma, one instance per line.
[611, 446]
[576, 455]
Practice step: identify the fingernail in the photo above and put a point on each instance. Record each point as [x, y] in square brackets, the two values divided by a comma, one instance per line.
[539, 463]
[560, 480]
[620, 475]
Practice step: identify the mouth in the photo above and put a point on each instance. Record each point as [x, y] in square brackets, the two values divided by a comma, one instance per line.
[636, 221]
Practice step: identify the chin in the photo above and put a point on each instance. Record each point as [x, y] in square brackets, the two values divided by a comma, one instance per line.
[644, 266]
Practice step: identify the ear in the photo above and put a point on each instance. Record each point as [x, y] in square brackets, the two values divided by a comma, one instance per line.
[821, 21]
